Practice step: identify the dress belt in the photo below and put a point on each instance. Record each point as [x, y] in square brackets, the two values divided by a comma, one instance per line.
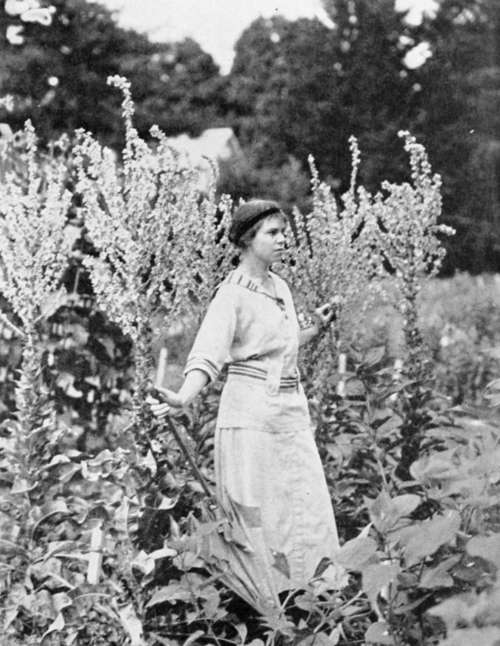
[243, 369]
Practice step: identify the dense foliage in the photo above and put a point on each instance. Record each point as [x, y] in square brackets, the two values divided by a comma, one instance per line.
[102, 523]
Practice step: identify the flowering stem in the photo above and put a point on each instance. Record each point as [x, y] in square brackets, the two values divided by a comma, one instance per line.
[17, 331]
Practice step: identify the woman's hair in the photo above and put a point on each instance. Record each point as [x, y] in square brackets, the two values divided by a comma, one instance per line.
[244, 241]
[247, 215]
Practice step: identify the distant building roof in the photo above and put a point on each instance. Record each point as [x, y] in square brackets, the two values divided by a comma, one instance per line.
[214, 144]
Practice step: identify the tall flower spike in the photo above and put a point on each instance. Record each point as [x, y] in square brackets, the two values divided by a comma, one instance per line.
[34, 247]
[157, 236]
[128, 110]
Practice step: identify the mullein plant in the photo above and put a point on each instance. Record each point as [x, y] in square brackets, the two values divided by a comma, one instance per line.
[410, 239]
[160, 242]
[346, 250]
[335, 259]
[34, 251]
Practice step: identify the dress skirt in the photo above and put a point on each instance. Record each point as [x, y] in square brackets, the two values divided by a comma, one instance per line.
[268, 468]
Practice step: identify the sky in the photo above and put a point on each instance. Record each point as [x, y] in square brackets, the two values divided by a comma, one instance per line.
[217, 24]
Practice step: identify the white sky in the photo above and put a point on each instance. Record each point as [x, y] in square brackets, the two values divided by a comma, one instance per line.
[217, 24]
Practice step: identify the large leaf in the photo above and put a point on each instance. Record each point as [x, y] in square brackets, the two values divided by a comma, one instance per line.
[385, 512]
[52, 302]
[321, 639]
[374, 355]
[356, 553]
[486, 636]
[459, 609]
[132, 624]
[192, 638]
[389, 424]
[435, 467]
[146, 562]
[379, 633]
[56, 626]
[354, 388]
[487, 547]
[377, 577]
[425, 538]
[437, 577]
[406, 504]
[170, 594]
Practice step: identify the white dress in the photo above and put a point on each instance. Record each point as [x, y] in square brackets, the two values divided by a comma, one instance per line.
[267, 462]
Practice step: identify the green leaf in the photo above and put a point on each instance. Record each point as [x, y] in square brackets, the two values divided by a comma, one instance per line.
[163, 553]
[57, 625]
[374, 355]
[280, 562]
[132, 624]
[406, 504]
[436, 577]
[356, 553]
[169, 594]
[277, 623]
[485, 636]
[52, 302]
[376, 577]
[143, 562]
[242, 632]
[21, 485]
[385, 511]
[459, 609]
[53, 508]
[379, 633]
[321, 639]
[306, 601]
[487, 547]
[425, 538]
[390, 424]
[354, 388]
[61, 600]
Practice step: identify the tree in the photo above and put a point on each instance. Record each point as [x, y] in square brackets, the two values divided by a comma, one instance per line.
[58, 76]
[459, 122]
[301, 87]
[178, 86]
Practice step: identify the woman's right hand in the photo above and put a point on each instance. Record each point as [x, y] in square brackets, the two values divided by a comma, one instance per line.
[164, 401]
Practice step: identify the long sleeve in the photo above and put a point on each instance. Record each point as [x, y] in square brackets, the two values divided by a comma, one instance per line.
[212, 345]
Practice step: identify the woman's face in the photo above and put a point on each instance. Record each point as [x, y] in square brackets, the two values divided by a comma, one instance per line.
[268, 243]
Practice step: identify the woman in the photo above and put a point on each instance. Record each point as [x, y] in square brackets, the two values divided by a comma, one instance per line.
[266, 460]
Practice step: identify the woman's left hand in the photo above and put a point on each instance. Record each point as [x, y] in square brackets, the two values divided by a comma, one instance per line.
[325, 314]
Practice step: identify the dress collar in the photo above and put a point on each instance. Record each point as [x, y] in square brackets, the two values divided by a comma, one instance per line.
[240, 277]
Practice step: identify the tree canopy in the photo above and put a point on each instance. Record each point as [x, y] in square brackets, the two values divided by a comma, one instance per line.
[58, 75]
[300, 87]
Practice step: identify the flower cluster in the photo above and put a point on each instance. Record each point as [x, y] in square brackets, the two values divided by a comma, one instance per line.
[335, 257]
[34, 240]
[344, 250]
[409, 232]
[160, 241]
